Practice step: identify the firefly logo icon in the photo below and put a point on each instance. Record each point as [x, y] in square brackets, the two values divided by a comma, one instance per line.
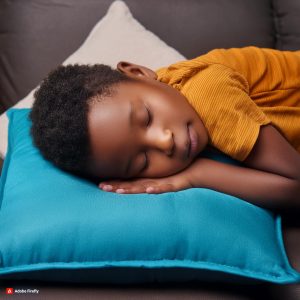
[9, 291]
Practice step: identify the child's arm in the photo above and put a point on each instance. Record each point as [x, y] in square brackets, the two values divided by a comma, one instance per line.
[261, 188]
[272, 180]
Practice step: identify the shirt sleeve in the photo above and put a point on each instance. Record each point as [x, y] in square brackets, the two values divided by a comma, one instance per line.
[265, 69]
[220, 95]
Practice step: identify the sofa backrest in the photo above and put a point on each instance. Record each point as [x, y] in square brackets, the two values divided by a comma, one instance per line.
[34, 33]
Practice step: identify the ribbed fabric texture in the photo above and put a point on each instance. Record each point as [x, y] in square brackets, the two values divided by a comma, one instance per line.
[237, 90]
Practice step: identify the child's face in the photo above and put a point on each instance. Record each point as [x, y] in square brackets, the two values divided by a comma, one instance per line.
[162, 140]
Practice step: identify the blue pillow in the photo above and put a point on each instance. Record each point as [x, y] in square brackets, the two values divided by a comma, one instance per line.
[56, 226]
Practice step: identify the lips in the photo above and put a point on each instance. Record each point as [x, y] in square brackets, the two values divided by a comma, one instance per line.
[191, 144]
[188, 145]
[193, 141]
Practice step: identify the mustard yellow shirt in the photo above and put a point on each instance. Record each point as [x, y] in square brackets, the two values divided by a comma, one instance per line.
[237, 90]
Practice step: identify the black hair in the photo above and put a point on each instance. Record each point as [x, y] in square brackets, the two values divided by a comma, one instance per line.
[60, 111]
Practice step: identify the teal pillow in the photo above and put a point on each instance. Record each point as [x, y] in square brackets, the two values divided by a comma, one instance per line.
[58, 227]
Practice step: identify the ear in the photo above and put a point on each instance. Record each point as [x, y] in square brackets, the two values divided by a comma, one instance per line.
[133, 70]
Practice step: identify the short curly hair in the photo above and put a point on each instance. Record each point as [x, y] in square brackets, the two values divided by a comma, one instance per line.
[60, 111]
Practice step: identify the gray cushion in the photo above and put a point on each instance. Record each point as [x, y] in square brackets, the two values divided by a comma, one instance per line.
[33, 33]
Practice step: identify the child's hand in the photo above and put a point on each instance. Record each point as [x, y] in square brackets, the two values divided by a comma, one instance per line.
[172, 183]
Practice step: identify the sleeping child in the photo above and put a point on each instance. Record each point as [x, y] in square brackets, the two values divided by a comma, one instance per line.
[135, 130]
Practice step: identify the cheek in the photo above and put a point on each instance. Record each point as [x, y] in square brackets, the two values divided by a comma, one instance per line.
[164, 166]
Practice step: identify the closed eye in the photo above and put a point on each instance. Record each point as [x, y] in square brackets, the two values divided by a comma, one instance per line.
[148, 123]
[146, 163]
[149, 116]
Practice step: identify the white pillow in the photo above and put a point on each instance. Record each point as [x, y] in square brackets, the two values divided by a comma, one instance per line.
[117, 36]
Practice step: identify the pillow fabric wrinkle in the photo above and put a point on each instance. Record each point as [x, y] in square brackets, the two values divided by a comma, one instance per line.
[69, 230]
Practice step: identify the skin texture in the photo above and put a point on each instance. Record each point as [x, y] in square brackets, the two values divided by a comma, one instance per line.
[270, 177]
[158, 137]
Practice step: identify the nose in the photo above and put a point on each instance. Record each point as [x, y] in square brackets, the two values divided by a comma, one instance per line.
[163, 141]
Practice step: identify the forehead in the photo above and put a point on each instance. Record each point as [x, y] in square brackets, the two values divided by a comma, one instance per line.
[104, 119]
[106, 111]
[108, 123]
[109, 131]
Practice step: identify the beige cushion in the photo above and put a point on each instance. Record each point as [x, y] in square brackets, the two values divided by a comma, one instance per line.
[117, 36]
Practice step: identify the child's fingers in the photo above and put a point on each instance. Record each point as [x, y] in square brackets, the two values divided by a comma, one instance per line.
[107, 188]
[112, 183]
[124, 188]
[138, 188]
[131, 190]
[148, 186]
[111, 186]
[164, 188]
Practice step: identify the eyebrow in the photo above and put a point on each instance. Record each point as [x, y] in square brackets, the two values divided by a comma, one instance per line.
[130, 125]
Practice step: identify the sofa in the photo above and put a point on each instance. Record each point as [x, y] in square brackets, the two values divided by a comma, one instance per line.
[37, 35]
